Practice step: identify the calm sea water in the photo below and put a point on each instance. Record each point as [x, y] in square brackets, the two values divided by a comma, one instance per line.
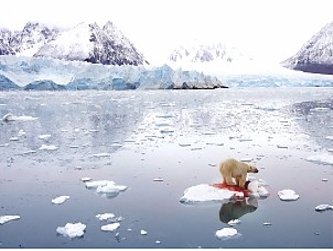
[179, 137]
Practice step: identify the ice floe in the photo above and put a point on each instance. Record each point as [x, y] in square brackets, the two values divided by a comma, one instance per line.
[11, 117]
[324, 158]
[44, 136]
[85, 179]
[205, 192]
[257, 190]
[105, 216]
[323, 207]
[7, 218]
[110, 227]
[143, 232]
[106, 187]
[72, 230]
[59, 200]
[158, 179]
[48, 147]
[288, 195]
[234, 222]
[226, 233]
[101, 155]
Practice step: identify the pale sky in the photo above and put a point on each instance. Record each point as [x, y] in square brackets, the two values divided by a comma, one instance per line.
[269, 29]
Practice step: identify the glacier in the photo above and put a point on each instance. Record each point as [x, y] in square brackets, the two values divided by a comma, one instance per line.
[30, 73]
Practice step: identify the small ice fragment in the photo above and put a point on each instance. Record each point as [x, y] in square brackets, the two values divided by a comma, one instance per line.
[21, 133]
[59, 200]
[281, 146]
[97, 183]
[234, 222]
[105, 216]
[246, 159]
[84, 179]
[267, 224]
[8, 117]
[7, 218]
[288, 195]
[72, 230]
[110, 227]
[14, 139]
[262, 191]
[226, 233]
[108, 188]
[323, 207]
[143, 232]
[324, 179]
[48, 147]
[329, 137]
[184, 144]
[44, 136]
[100, 155]
[158, 242]
[158, 179]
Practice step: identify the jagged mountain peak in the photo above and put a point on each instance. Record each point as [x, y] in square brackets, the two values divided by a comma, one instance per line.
[206, 52]
[84, 42]
[316, 55]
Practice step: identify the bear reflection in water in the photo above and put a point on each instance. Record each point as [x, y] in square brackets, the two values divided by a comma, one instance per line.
[236, 209]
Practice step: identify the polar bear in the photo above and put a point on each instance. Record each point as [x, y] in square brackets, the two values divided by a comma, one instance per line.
[232, 168]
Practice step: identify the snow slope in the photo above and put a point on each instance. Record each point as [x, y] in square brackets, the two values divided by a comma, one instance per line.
[316, 55]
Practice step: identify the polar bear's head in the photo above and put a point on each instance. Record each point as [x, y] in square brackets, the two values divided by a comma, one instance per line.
[252, 169]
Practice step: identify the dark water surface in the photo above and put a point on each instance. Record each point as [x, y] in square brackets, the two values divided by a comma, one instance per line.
[179, 136]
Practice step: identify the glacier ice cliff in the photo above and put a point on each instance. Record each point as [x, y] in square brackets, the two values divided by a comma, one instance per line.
[31, 73]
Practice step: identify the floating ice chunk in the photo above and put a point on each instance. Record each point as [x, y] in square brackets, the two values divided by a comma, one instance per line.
[109, 188]
[267, 224]
[158, 179]
[14, 139]
[158, 242]
[59, 200]
[288, 195]
[48, 147]
[72, 230]
[84, 179]
[44, 136]
[105, 216]
[324, 158]
[204, 192]
[7, 218]
[329, 137]
[97, 183]
[8, 117]
[143, 232]
[100, 155]
[21, 133]
[257, 190]
[226, 233]
[323, 207]
[11, 117]
[234, 222]
[246, 159]
[110, 227]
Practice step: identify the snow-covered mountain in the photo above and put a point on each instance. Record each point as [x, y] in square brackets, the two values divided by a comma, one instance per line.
[316, 55]
[89, 42]
[84, 42]
[202, 53]
[28, 41]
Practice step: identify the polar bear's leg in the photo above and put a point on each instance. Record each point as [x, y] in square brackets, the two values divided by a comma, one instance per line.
[241, 181]
[228, 180]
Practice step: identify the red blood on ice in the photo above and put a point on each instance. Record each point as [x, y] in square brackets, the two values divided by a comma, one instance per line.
[233, 188]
